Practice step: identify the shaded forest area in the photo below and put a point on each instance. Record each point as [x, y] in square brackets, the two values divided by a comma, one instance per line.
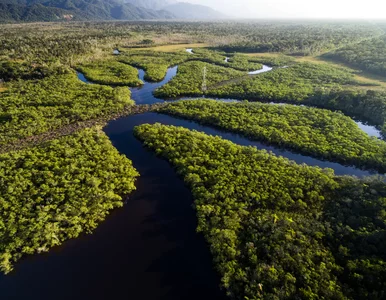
[369, 55]
[279, 230]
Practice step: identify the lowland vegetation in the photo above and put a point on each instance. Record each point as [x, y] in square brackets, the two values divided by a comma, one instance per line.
[312, 131]
[55, 191]
[368, 55]
[111, 73]
[32, 107]
[278, 230]
[189, 79]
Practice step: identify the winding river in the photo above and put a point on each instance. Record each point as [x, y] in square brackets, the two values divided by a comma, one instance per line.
[148, 249]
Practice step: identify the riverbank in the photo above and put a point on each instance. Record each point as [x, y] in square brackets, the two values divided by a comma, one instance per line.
[75, 127]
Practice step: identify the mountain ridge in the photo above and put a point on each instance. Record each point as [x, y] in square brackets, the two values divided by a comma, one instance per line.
[77, 10]
[182, 10]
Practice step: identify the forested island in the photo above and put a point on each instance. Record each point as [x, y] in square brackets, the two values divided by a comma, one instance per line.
[103, 166]
[277, 229]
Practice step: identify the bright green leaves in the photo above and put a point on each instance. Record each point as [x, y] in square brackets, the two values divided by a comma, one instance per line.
[305, 129]
[29, 108]
[278, 230]
[53, 192]
[111, 73]
[189, 79]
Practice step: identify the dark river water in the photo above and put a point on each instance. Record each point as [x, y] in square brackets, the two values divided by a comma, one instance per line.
[147, 250]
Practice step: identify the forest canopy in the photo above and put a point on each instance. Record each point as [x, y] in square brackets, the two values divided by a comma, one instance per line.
[55, 191]
[367, 55]
[111, 73]
[32, 107]
[278, 230]
[313, 131]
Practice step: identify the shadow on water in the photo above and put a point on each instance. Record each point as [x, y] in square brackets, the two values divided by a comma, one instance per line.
[128, 123]
[147, 250]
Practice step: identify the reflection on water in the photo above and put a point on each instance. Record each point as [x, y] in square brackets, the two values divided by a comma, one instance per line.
[83, 78]
[369, 129]
[263, 70]
[144, 94]
[151, 118]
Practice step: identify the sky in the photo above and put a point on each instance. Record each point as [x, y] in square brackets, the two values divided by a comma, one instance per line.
[363, 9]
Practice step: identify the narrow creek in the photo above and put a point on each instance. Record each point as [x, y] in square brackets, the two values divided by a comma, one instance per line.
[148, 249]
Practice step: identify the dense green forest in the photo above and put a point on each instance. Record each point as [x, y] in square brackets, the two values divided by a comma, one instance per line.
[236, 61]
[312, 131]
[279, 230]
[154, 63]
[14, 70]
[295, 83]
[368, 55]
[298, 39]
[111, 73]
[55, 10]
[55, 191]
[365, 105]
[189, 79]
[68, 41]
[31, 107]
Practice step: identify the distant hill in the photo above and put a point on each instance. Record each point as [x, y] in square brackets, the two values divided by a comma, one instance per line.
[183, 10]
[151, 4]
[56, 10]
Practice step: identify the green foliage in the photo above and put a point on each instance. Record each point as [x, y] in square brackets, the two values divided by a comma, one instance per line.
[55, 10]
[290, 37]
[357, 236]
[368, 55]
[111, 73]
[189, 79]
[243, 63]
[367, 105]
[313, 131]
[294, 84]
[274, 61]
[274, 226]
[154, 63]
[53, 192]
[236, 61]
[19, 12]
[28, 108]
[11, 70]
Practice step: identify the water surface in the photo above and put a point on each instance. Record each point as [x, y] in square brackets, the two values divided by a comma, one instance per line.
[147, 250]
[144, 94]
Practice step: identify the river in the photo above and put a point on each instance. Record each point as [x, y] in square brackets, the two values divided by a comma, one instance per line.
[148, 249]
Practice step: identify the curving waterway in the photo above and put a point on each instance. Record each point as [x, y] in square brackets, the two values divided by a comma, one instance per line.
[148, 249]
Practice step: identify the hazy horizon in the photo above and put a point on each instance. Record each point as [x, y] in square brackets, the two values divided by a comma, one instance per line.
[331, 9]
